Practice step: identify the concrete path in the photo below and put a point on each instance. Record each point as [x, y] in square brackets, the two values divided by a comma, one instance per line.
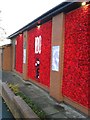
[42, 99]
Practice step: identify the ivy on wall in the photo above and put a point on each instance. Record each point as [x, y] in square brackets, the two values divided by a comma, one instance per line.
[45, 32]
[76, 80]
[19, 53]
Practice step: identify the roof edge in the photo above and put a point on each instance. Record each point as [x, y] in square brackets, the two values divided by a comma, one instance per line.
[45, 17]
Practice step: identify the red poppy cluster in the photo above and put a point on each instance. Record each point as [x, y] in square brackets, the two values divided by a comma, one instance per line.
[45, 32]
[19, 53]
[76, 80]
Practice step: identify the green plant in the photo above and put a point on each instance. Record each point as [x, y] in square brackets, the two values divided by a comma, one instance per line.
[14, 88]
[41, 114]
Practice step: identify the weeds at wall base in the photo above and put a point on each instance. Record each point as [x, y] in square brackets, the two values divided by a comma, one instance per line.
[15, 88]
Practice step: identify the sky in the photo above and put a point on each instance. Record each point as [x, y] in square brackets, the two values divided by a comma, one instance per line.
[15, 14]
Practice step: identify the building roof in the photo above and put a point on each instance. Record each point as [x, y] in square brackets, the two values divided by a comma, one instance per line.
[63, 7]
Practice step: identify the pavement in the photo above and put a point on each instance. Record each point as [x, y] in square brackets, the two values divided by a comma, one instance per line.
[52, 108]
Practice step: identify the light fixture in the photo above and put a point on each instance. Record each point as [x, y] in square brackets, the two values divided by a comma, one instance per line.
[20, 34]
[38, 26]
[83, 3]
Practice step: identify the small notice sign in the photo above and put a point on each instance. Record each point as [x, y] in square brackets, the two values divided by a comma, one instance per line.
[24, 55]
[55, 58]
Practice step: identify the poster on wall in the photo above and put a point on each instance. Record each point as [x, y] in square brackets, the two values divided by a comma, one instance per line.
[55, 58]
[24, 55]
[38, 44]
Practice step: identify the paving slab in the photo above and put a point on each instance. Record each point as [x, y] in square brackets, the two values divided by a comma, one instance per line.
[57, 116]
[52, 108]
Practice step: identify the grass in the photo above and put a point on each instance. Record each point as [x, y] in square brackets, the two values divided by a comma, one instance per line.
[40, 113]
[34, 107]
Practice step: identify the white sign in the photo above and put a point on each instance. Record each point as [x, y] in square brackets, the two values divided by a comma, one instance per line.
[38, 44]
[16, 42]
[55, 58]
[24, 55]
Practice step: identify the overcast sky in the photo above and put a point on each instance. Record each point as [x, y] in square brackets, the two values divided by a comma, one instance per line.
[17, 13]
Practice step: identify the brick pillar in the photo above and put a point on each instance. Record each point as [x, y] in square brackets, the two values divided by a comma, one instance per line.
[13, 53]
[56, 77]
[25, 55]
